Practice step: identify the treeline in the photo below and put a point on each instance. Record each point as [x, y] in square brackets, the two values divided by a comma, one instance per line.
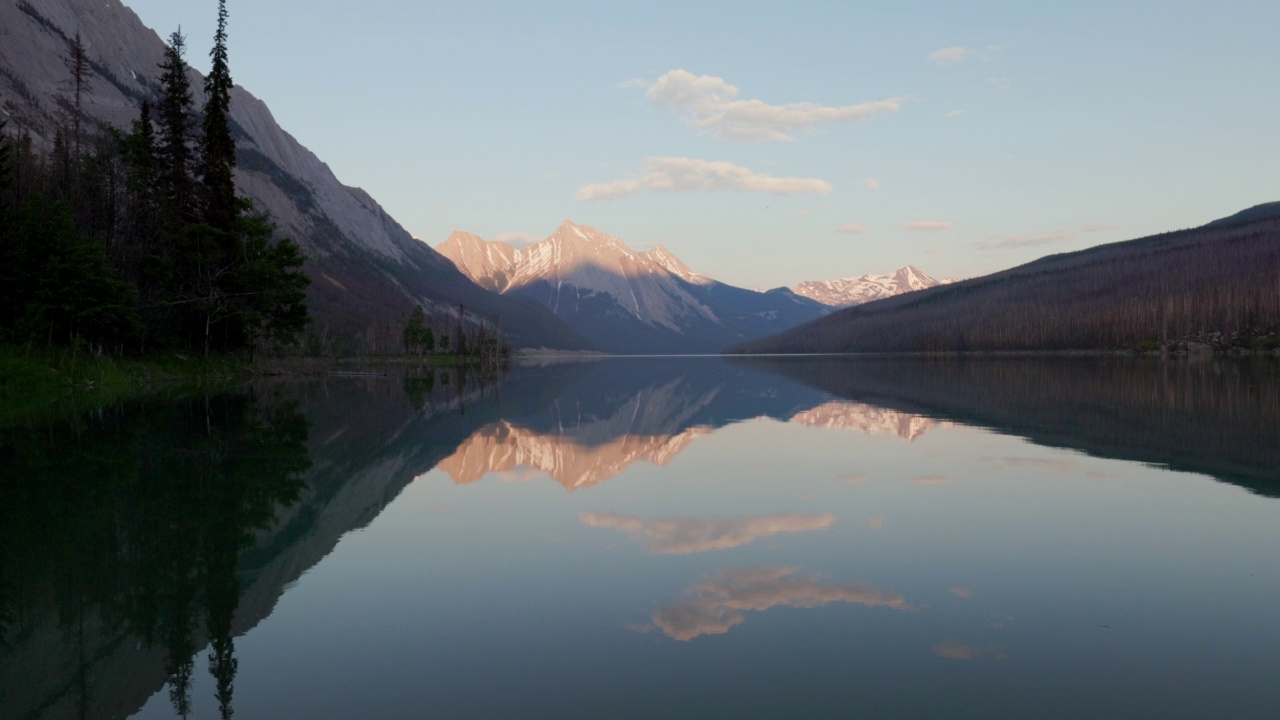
[1216, 286]
[120, 241]
[1214, 415]
[476, 338]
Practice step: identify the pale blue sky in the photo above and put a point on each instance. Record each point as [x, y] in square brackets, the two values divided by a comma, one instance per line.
[1082, 123]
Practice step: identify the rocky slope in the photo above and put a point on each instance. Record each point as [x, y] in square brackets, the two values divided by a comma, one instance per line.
[626, 301]
[366, 269]
[865, 288]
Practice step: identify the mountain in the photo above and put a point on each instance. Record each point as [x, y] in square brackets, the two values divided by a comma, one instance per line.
[366, 270]
[626, 301]
[865, 288]
[1213, 286]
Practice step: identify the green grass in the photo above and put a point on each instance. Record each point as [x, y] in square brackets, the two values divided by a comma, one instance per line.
[40, 383]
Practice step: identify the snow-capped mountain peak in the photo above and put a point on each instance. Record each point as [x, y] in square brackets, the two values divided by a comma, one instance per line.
[865, 288]
[674, 265]
[623, 300]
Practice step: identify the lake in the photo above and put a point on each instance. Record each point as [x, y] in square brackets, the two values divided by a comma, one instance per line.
[657, 538]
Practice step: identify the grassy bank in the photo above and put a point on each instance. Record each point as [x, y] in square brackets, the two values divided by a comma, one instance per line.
[36, 382]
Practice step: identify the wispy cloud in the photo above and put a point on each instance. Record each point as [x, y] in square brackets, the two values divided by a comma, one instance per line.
[930, 480]
[851, 229]
[1001, 242]
[1099, 227]
[685, 536]
[995, 84]
[954, 114]
[871, 184]
[710, 103]
[927, 225]
[632, 84]
[949, 55]
[721, 602]
[674, 174]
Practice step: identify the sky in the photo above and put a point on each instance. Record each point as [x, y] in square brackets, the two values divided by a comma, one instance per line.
[768, 143]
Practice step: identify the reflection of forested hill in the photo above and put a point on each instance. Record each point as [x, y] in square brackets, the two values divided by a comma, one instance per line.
[130, 541]
[1214, 416]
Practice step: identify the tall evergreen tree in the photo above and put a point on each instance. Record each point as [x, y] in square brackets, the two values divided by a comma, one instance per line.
[174, 150]
[217, 147]
[78, 63]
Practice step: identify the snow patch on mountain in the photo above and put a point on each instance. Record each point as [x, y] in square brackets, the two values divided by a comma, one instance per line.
[645, 285]
[865, 288]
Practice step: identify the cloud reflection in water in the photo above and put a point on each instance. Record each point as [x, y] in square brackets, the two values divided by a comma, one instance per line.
[683, 536]
[719, 603]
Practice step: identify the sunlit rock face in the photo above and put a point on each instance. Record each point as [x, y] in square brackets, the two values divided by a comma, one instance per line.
[623, 300]
[865, 288]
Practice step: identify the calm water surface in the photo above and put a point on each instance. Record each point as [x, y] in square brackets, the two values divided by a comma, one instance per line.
[657, 538]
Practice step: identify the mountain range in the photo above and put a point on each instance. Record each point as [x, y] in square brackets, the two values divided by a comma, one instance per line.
[366, 270]
[625, 301]
[1208, 287]
[865, 288]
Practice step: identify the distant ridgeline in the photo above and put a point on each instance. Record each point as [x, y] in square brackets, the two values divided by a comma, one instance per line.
[121, 241]
[1217, 285]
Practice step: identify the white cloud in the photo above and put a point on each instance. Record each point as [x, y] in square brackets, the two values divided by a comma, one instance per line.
[710, 103]
[927, 225]
[851, 228]
[871, 183]
[954, 114]
[516, 239]
[673, 174]
[948, 55]
[997, 84]
[632, 84]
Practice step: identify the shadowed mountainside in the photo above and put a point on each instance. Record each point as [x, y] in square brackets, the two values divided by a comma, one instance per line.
[1216, 284]
[1216, 417]
[366, 270]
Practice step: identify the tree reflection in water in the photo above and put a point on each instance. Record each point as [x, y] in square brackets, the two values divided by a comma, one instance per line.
[130, 525]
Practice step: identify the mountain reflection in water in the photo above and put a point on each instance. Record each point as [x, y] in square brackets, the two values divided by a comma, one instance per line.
[141, 538]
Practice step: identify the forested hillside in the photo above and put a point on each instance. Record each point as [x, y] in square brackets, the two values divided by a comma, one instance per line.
[131, 241]
[1217, 285]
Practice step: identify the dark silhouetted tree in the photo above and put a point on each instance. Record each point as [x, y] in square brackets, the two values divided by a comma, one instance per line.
[174, 148]
[217, 147]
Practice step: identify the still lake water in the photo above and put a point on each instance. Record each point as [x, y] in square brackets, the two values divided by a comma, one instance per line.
[658, 538]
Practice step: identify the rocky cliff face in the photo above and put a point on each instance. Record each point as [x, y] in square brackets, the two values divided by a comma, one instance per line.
[366, 269]
[626, 301]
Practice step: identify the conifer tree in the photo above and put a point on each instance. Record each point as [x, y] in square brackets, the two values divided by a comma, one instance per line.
[174, 152]
[217, 147]
[78, 64]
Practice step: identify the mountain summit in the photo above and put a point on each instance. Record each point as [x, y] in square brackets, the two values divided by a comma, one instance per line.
[865, 288]
[622, 300]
